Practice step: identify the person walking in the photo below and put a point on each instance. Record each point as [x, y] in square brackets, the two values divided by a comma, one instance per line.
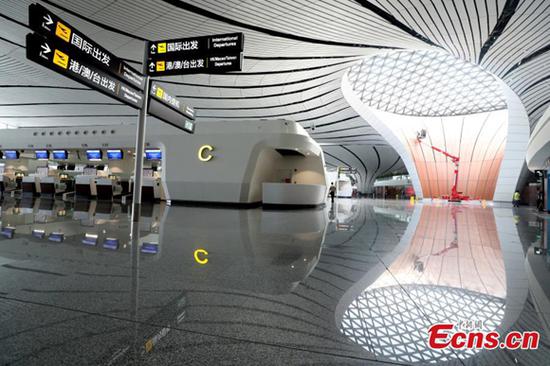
[540, 200]
[516, 199]
[332, 192]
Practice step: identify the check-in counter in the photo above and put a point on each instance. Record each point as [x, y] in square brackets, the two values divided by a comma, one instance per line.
[107, 188]
[150, 189]
[5, 183]
[85, 186]
[50, 186]
[293, 194]
[126, 187]
[30, 185]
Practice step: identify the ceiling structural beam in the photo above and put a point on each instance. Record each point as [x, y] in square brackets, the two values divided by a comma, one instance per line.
[360, 161]
[95, 22]
[528, 58]
[275, 33]
[393, 21]
[335, 158]
[203, 12]
[507, 12]
[391, 167]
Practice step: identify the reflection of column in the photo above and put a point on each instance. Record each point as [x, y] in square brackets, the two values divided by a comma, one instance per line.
[379, 268]
[134, 288]
[517, 286]
[452, 263]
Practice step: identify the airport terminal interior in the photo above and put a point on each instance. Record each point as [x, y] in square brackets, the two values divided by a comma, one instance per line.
[327, 182]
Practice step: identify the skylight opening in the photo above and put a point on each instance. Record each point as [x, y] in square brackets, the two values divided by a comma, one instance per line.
[425, 83]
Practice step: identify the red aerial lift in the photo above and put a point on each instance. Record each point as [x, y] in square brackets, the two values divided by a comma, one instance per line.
[455, 195]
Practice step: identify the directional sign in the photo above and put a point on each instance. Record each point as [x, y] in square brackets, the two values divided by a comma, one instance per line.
[212, 64]
[208, 54]
[58, 57]
[220, 43]
[43, 21]
[167, 108]
[159, 92]
[170, 116]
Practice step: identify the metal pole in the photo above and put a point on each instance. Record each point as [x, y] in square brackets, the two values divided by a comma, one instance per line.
[136, 208]
[140, 142]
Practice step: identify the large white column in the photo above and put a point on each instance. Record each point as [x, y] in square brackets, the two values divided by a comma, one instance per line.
[516, 146]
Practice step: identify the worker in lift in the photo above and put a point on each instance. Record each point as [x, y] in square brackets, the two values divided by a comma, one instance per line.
[332, 192]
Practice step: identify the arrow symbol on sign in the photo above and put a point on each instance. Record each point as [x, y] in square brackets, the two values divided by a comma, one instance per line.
[47, 21]
[152, 66]
[154, 88]
[45, 49]
[153, 48]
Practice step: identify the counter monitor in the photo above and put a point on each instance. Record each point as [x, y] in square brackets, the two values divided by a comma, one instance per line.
[94, 155]
[11, 154]
[42, 154]
[153, 154]
[114, 154]
[60, 154]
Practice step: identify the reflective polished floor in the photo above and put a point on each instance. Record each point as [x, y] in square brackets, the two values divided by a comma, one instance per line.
[357, 282]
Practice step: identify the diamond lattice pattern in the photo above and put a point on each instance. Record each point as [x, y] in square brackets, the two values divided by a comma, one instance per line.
[425, 83]
[393, 321]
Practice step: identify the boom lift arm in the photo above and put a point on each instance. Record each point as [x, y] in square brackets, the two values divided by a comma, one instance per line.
[455, 195]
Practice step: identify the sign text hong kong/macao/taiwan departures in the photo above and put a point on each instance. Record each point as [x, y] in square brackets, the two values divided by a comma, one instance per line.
[208, 54]
[44, 22]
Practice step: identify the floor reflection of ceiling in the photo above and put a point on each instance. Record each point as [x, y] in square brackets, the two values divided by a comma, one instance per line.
[387, 321]
[452, 270]
[452, 246]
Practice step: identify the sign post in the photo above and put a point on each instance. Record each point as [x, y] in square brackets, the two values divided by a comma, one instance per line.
[140, 147]
[62, 48]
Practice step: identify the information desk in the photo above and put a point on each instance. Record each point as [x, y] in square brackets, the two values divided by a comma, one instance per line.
[293, 194]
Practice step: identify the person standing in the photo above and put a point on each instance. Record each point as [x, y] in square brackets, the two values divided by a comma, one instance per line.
[332, 192]
[516, 199]
[540, 200]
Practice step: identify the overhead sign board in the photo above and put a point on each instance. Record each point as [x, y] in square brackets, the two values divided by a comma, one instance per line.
[166, 107]
[62, 59]
[196, 65]
[162, 95]
[220, 43]
[208, 54]
[43, 21]
[170, 116]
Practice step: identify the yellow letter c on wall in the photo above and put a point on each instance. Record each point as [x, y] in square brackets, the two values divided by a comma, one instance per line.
[204, 153]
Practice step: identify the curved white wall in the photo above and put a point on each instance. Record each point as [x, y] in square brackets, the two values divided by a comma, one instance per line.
[364, 111]
[516, 146]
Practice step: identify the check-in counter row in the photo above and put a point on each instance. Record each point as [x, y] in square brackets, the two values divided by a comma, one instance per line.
[107, 189]
[49, 186]
[84, 186]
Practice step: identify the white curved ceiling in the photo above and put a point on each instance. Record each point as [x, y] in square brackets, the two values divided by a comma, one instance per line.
[295, 55]
[425, 83]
